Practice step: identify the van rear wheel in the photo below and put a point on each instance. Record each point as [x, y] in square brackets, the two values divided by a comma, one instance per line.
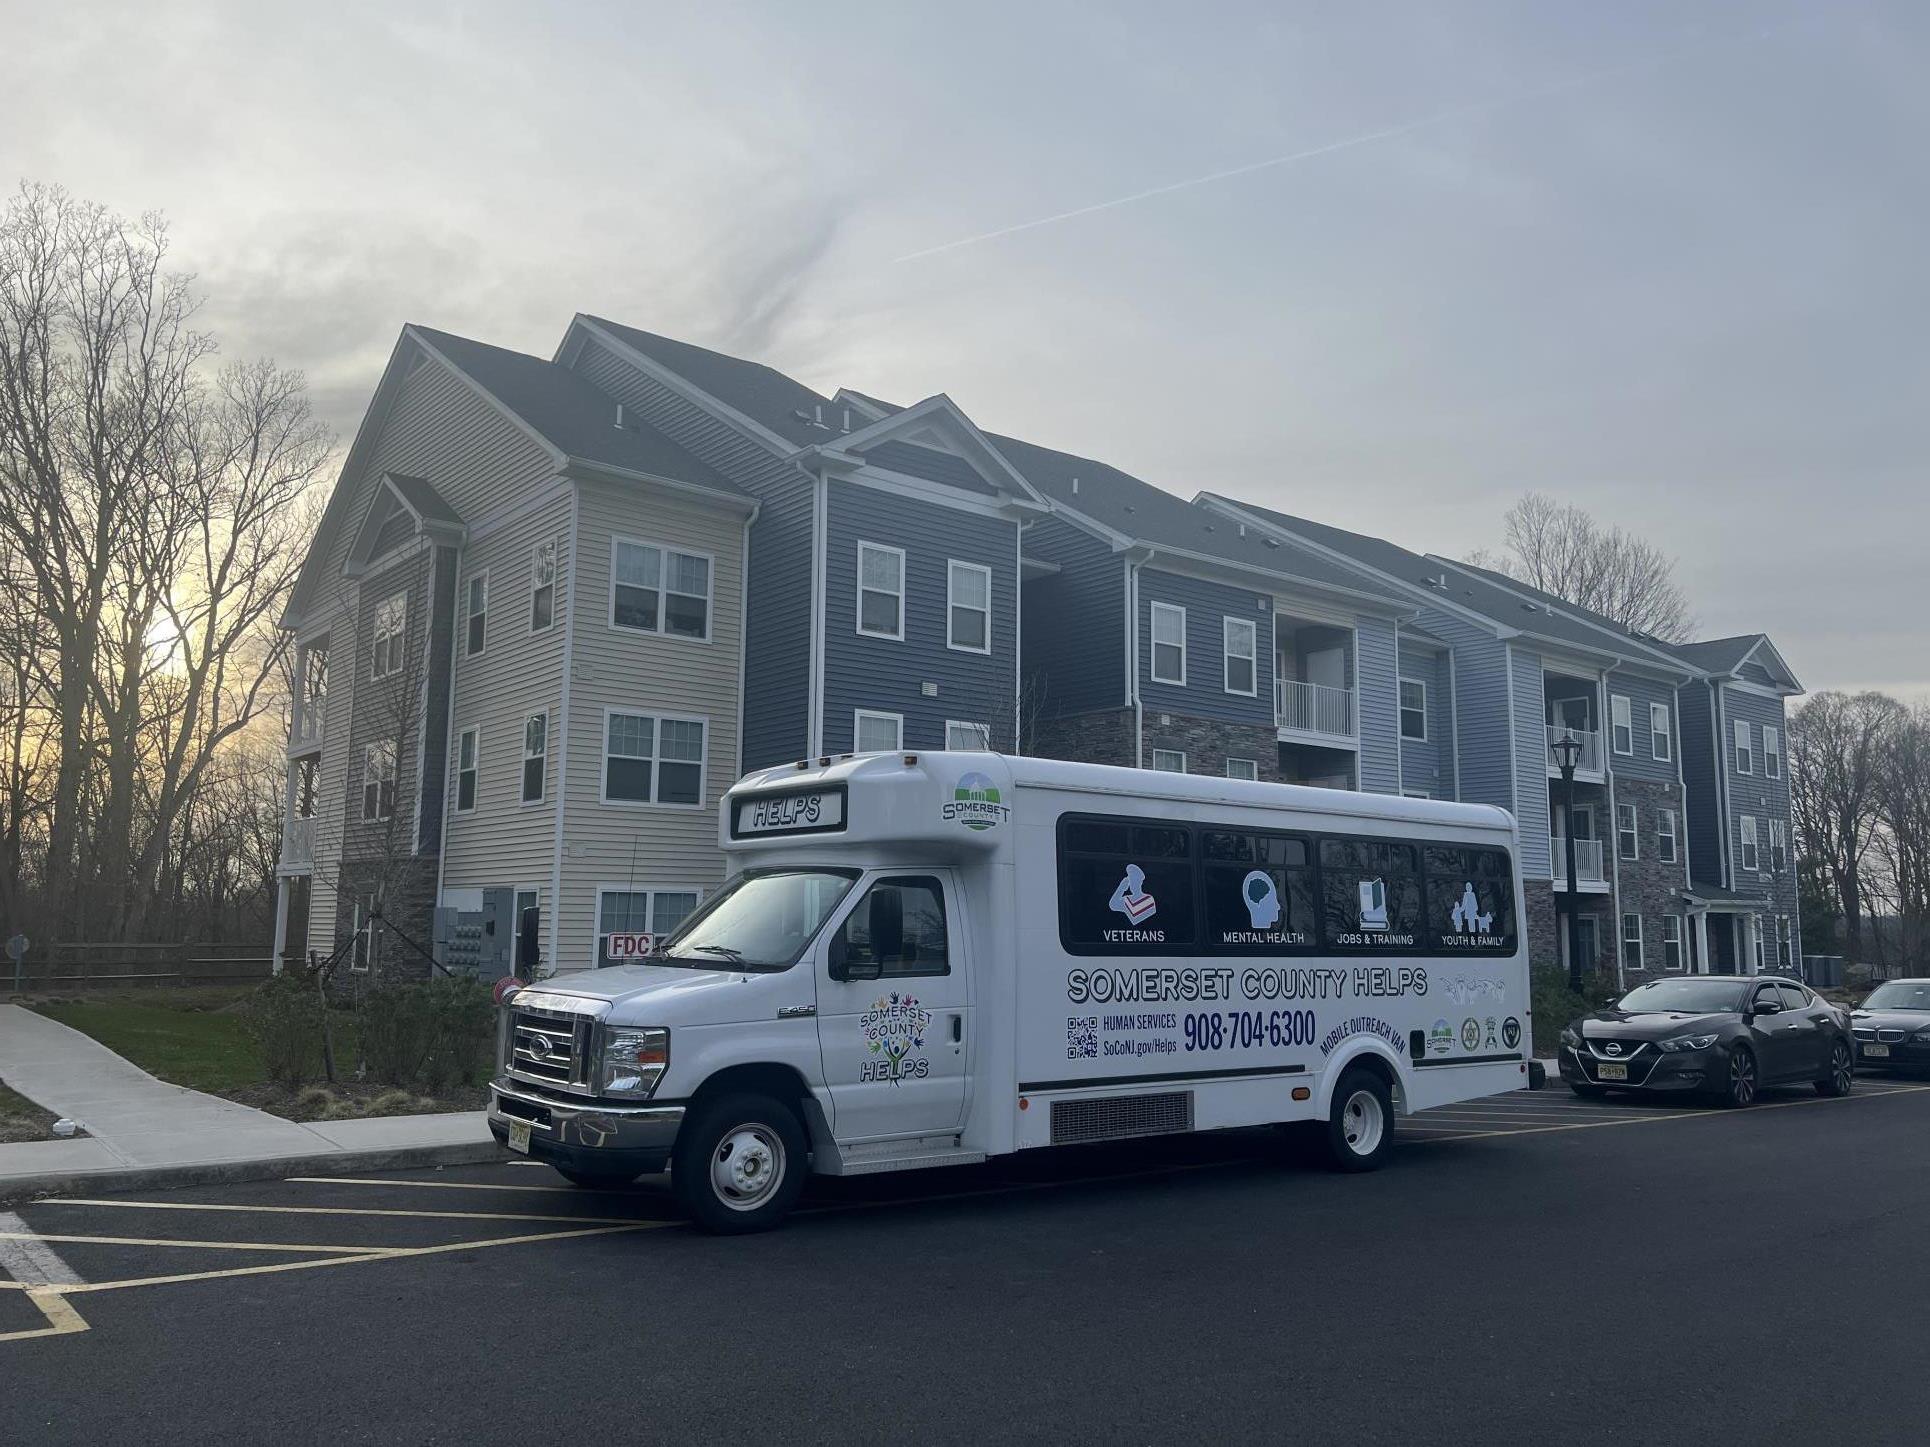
[739, 1164]
[1360, 1125]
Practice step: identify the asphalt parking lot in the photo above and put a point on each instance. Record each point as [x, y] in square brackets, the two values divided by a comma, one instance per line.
[1528, 1269]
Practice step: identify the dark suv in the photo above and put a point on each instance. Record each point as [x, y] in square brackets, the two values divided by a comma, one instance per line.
[1719, 1034]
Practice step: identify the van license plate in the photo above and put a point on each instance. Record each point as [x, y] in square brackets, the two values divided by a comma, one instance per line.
[519, 1136]
[1876, 1052]
[1611, 1072]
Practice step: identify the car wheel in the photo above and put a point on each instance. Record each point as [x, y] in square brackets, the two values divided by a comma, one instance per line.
[1360, 1126]
[1741, 1089]
[1842, 1072]
[592, 1180]
[739, 1164]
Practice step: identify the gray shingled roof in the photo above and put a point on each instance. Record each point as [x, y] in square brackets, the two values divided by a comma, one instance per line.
[572, 415]
[1718, 655]
[423, 498]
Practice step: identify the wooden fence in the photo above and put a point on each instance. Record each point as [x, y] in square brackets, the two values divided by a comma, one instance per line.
[80, 965]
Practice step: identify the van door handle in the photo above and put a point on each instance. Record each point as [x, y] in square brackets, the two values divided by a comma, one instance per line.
[958, 1029]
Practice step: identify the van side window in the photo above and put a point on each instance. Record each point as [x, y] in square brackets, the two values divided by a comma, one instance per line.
[1260, 892]
[1126, 887]
[1371, 895]
[1470, 900]
[897, 930]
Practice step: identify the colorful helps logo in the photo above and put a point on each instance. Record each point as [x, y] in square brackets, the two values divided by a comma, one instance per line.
[975, 803]
[894, 1027]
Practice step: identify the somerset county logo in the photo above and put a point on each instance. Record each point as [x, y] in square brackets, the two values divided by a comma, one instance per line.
[894, 1028]
[975, 804]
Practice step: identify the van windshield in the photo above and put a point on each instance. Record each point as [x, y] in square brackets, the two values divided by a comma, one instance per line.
[762, 920]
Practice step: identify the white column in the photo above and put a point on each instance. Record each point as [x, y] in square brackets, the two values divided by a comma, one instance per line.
[1701, 918]
[281, 922]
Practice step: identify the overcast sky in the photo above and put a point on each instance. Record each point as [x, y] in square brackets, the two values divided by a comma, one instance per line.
[1667, 260]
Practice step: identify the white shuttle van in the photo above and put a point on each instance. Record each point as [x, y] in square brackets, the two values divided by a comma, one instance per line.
[929, 959]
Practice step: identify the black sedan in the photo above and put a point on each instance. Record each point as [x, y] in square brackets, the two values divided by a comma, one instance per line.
[1892, 1027]
[1711, 1034]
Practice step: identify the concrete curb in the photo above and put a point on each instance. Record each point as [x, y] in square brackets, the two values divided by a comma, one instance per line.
[18, 1189]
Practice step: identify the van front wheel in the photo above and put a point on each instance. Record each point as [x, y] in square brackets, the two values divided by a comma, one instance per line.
[1360, 1126]
[739, 1164]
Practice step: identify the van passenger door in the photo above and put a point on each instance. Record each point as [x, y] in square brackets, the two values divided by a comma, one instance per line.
[893, 1008]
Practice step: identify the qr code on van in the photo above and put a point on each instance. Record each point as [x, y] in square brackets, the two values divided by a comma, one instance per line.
[1082, 1037]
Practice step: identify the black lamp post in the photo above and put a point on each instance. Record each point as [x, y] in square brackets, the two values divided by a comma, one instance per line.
[1568, 753]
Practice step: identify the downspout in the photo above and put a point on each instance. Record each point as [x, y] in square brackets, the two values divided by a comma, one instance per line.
[814, 688]
[1454, 722]
[1133, 699]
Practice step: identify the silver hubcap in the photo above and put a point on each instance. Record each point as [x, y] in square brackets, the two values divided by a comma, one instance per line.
[1363, 1121]
[1840, 1067]
[747, 1167]
[1742, 1079]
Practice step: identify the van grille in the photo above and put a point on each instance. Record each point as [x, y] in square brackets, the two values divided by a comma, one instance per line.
[550, 1049]
[1118, 1117]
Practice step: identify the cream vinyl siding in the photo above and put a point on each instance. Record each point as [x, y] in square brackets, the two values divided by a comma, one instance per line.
[477, 461]
[642, 846]
[506, 842]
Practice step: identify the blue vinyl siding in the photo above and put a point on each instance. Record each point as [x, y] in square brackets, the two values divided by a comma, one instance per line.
[1754, 793]
[1481, 723]
[777, 622]
[1699, 754]
[1640, 692]
[1531, 762]
[887, 674]
[1378, 697]
[1204, 694]
[1074, 622]
[928, 462]
[1428, 764]
[1754, 672]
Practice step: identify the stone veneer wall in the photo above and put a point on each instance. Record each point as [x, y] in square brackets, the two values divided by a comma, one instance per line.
[1649, 887]
[1106, 737]
[1545, 922]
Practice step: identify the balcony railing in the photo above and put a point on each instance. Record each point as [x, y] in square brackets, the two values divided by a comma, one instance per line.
[1313, 708]
[1588, 860]
[297, 845]
[1591, 742]
[306, 730]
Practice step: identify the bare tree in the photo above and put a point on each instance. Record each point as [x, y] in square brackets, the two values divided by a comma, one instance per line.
[1902, 845]
[1837, 744]
[1560, 549]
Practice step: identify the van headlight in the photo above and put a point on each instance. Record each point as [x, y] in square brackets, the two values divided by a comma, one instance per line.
[632, 1061]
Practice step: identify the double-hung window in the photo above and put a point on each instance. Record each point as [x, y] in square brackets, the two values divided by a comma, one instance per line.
[624, 912]
[475, 616]
[1751, 858]
[468, 758]
[975, 737]
[654, 589]
[1672, 941]
[378, 781]
[873, 732]
[542, 586]
[1627, 838]
[1745, 754]
[1778, 845]
[1621, 726]
[1241, 645]
[1661, 735]
[650, 759]
[881, 591]
[391, 620]
[1170, 761]
[1414, 710]
[1169, 644]
[1632, 941]
[1665, 837]
[968, 607]
[1242, 769]
[1772, 752]
[536, 748]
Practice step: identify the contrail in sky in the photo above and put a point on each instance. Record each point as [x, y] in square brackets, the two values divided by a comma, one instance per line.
[1386, 133]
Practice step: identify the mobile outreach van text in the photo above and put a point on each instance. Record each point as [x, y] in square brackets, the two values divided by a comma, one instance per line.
[923, 960]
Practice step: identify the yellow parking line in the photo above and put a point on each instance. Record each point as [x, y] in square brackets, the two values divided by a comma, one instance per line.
[173, 1241]
[336, 1211]
[62, 1319]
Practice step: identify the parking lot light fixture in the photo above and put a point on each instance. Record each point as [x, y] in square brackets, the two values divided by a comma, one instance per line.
[1568, 754]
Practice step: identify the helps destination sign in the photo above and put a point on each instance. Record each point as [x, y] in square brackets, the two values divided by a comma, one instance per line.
[813, 811]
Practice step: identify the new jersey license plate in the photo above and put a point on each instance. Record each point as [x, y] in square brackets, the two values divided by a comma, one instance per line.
[1611, 1072]
[519, 1136]
[1876, 1052]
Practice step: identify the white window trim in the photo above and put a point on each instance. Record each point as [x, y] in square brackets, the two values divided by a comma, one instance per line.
[1742, 748]
[1253, 764]
[1632, 833]
[1229, 623]
[1778, 840]
[542, 798]
[473, 731]
[1641, 954]
[1153, 644]
[1401, 710]
[904, 586]
[1417, 793]
[395, 764]
[1620, 703]
[952, 565]
[1681, 957]
[656, 759]
[1179, 754]
[1672, 834]
[481, 575]
[876, 715]
[650, 891]
[401, 636]
[664, 550]
[1748, 844]
[959, 723]
[1772, 756]
[1665, 735]
[555, 582]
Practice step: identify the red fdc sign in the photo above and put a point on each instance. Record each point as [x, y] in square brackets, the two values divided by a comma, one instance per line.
[634, 946]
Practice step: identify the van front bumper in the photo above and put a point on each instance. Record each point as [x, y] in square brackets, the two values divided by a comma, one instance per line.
[597, 1137]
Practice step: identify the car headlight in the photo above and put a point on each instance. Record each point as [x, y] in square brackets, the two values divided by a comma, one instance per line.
[1923, 1037]
[1688, 1042]
[1570, 1038]
[632, 1061]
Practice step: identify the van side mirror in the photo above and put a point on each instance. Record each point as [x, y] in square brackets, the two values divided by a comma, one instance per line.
[840, 966]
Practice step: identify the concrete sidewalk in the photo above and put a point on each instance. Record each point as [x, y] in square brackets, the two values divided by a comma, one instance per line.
[145, 1130]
